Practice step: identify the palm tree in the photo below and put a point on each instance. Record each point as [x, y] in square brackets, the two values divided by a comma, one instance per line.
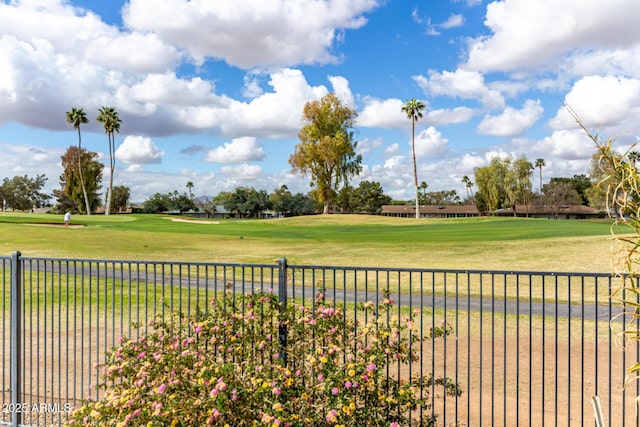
[108, 116]
[468, 184]
[423, 186]
[189, 187]
[413, 108]
[539, 164]
[76, 117]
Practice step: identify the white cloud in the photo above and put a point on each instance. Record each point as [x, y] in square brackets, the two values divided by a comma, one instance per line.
[239, 150]
[367, 145]
[446, 116]
[242, 172]
[460, 84]
[273, 114]
[430, 142]
[567, 145]
[139, 150]
[388, 114]
[341, 89]
[609, 102]
[392, 150]
[382, 113]
[512, 122]
[252, 88]
[533, 33]
[82, 35]
[252, 33]
[454, 20]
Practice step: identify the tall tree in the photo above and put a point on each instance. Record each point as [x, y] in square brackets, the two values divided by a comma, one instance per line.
[522, 169]
[70, 196]
[369, 197]
[423, 187]
[77, 117]
[23, 193]
[327, 150]
[189, 187]
[413, 108]
[120, 199]
[108, 116]
[468, 184]
[540, 164]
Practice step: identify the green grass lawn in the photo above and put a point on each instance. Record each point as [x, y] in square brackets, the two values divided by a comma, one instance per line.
[346, 240]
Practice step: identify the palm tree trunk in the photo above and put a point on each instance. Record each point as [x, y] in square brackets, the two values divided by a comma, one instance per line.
[111, 168]
[84, 188]
[415, 169]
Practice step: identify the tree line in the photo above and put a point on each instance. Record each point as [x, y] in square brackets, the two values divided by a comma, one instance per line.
[327, 153]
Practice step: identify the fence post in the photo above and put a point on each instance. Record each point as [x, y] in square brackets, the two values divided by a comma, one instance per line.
[16, 339]
[282, 297]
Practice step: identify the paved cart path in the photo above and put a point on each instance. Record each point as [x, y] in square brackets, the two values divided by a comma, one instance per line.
[160, 278]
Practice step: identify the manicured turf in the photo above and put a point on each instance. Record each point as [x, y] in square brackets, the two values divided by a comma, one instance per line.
[508, 243]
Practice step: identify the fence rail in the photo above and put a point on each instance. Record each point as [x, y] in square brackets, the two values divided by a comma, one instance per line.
[528, 348]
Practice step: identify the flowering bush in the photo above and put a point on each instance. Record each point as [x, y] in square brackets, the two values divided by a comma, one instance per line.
[227, 367]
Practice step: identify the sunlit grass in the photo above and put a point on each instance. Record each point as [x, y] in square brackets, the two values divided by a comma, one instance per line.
[474, 243]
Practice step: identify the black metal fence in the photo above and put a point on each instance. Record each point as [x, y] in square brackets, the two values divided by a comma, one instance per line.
[528, 348]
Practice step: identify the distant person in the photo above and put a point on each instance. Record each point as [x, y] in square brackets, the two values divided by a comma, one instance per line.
[67, 219]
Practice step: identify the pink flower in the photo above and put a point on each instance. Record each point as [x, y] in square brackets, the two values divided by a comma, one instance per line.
[334, 391]
[276, 390]
[347, 384]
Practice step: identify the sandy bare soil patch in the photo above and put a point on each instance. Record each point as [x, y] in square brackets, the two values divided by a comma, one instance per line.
[54, 224]
[194, 221]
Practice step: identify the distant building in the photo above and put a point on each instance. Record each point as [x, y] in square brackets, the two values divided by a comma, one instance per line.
[467, 211]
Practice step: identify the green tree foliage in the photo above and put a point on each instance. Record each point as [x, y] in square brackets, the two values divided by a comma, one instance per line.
[504, 183]
[247, 202]
[77, 117]
[288, 204]
[158, 203]
[327, 150]
[491, 194]
[442, 197]
[522, 189]
[71, 197]
[413, 109]
[23, 193]
[173, 201]
[120, 200]
[369, 198]
[110, 120]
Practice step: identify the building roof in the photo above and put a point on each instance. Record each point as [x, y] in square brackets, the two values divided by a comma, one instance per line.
[431, 210]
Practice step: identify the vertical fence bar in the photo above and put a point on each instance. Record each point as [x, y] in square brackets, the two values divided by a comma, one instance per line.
[16, 339]
[282, 298]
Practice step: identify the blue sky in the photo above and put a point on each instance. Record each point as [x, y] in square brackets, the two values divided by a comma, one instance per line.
[212, 91]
